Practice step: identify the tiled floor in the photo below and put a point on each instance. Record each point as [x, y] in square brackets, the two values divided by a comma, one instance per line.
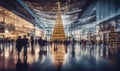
[59, 57]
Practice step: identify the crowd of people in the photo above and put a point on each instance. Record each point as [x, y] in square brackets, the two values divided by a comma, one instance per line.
[6, 42]
[25, 43]
[22, 42]
[84, 42]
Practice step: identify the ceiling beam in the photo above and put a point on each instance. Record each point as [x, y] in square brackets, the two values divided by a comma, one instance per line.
[31, 12]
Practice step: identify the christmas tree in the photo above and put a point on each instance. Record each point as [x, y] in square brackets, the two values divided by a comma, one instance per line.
[58, 32]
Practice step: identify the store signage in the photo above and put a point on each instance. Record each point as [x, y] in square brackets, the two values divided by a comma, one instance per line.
[114, 38]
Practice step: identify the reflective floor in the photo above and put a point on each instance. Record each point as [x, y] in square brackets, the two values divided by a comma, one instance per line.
[60, 57]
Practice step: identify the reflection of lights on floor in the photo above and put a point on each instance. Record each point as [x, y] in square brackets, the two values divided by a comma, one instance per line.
[58, 52]
[43, 59]
[6, 53]
[57, 57]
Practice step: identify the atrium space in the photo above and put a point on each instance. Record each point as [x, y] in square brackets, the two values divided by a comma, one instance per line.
[59, 35]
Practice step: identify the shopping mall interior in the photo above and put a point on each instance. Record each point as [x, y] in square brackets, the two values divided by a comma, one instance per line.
[59, 35]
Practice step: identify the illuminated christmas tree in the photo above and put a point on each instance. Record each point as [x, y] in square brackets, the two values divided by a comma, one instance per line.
[58, 32]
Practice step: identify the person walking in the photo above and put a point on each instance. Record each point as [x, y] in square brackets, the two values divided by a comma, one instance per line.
[40, 42]
[32, 45]
[32, 41]
[25, 45]
[19, 45]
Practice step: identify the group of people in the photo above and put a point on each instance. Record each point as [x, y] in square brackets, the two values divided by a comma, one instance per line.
[6, 42]
[85, 42]
[22, 42]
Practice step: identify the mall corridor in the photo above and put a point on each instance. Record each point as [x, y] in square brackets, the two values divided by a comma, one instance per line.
[59, 35]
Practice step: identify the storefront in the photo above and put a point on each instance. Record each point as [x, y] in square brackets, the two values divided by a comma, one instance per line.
[39, 33]
[106, 26]
[12, 25]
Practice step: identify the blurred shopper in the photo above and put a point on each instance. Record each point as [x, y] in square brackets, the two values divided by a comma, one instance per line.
[84, 43]
[32, 45]
[12, 42]
[25, 45]
[9, 42]
[73, 41]
[81, 42]
[93, 42]
[32, 41]
[40, 41]
[19, 45]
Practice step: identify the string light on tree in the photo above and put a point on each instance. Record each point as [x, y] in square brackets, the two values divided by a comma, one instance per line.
[58, 32]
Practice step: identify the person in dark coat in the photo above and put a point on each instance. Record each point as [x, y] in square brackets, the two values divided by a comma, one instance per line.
[32, 41]
[19, 45]
[40, 41]
[25, 45]
[32, 45]
[12, 41]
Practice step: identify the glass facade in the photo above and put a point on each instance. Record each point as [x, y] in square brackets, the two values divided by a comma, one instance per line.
[13, 25]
